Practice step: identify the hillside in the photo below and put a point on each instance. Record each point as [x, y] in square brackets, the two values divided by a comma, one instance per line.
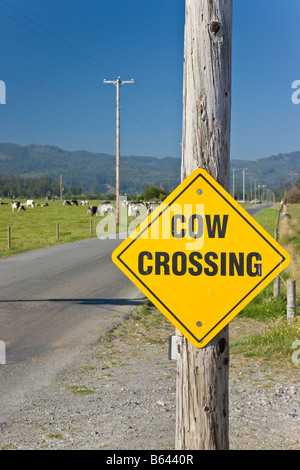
[88, 170]
[272, 171]
[97, 170]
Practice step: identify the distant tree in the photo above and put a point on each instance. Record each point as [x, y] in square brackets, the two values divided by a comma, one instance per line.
[293, 195]
[153, 193]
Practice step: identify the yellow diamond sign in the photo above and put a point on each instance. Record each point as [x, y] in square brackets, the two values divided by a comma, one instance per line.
[200, 258]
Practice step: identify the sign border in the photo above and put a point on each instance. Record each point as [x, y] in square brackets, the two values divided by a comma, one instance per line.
[201, 175]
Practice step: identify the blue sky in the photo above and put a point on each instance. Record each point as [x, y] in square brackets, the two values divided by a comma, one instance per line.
[55, 55]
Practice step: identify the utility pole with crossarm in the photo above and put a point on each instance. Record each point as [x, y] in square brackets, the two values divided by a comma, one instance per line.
[118, 83]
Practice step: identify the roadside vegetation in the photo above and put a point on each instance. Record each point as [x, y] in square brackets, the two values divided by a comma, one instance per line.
[275, 338]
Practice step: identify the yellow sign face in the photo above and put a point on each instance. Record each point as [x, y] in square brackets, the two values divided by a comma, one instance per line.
[200, 258]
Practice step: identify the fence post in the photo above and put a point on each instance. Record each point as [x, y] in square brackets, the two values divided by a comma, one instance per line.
[291, 300]
[8, 237]
[276, 291]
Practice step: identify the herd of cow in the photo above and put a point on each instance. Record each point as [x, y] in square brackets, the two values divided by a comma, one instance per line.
[134, 208]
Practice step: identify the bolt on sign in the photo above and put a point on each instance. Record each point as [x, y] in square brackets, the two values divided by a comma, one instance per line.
[200, 258]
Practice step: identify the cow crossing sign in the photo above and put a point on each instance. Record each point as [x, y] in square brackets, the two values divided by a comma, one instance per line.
[200, 258]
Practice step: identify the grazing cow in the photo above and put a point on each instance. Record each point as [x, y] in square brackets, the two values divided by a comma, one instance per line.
[133, 210]
[66, 203]
[84, 203]
[45, 204]
[29, 203]
[107, 207]
[17, 205]
[93, 210]
[74, 202]
[151, 206]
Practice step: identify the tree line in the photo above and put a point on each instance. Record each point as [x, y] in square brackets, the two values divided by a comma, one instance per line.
[15, 186]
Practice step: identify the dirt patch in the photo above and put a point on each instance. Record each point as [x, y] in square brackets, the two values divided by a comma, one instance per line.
[240, 327]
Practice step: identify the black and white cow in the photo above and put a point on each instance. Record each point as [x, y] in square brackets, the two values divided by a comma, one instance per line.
[92, 210]
[29, 203]
[17, 205]
[107, 207]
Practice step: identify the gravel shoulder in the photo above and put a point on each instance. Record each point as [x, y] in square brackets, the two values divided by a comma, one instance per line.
[120, 394]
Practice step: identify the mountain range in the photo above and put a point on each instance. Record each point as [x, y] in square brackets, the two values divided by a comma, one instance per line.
[96, 171]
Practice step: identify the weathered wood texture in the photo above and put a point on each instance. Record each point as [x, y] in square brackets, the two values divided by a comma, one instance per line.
[202, 374]
[291, 300]
[202, 395]
[207, 88]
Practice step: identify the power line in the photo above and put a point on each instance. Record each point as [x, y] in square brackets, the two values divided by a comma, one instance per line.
[67, 95]
[45, 52]
[89, 59]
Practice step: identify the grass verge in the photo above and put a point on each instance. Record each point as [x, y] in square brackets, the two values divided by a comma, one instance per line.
[278, 336]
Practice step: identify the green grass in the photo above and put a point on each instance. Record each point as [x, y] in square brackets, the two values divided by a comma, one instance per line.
[268, 219]
[36, 228]
[279, 335]
[264, 306]
[276, 344]
[78, 390]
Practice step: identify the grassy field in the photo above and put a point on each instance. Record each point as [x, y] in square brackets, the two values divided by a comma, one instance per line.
[36, 228]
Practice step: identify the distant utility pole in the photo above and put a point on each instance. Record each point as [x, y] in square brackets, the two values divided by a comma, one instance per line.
[60, 187]
[118, 83]
[244, 170]
[233, 180]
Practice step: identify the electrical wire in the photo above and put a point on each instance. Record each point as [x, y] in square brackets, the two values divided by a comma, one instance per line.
[48, 90]
[88, 59]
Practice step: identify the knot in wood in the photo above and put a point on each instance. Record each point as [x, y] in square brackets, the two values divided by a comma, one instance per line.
[215, 26]
[221, 346]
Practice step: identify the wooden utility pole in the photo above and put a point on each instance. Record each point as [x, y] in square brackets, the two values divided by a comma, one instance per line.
[60, 188]
[202, 374]
[244, 194]
[118, 83]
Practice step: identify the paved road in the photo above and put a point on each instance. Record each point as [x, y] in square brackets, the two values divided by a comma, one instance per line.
[252, 210]
[53, 302]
